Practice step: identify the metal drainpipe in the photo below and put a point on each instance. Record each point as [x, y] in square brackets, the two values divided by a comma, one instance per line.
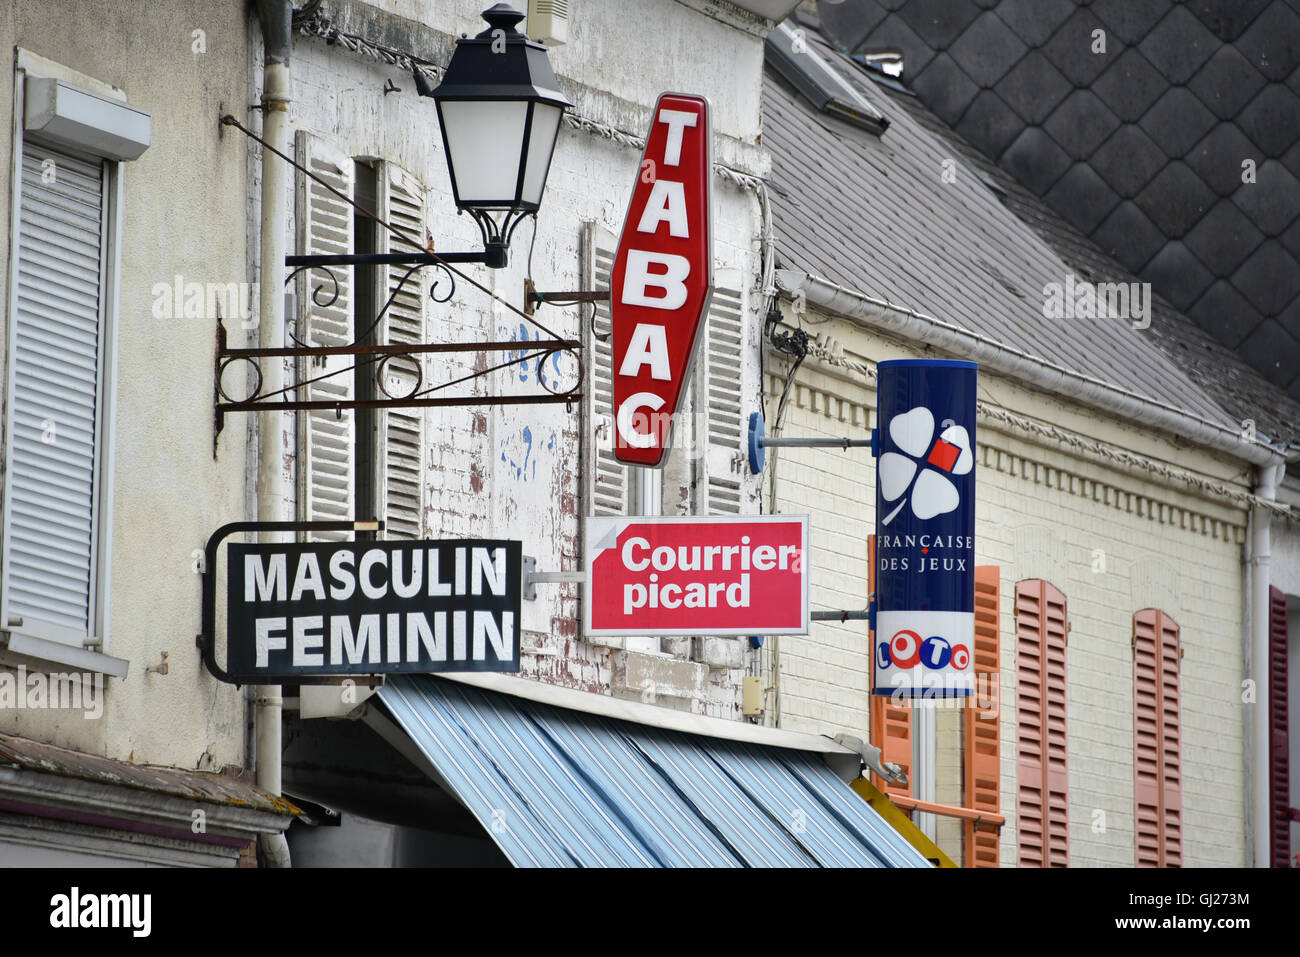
[274, 434]
[774, 655]
[1268, 477]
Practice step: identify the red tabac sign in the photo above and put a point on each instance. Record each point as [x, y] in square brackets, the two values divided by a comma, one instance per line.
[697, 575]
[662, 277]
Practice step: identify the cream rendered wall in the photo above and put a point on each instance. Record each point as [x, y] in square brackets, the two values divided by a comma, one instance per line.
[825, 677]
[1042, 511]
[1284, 568]
[515, 471]
[184, 213]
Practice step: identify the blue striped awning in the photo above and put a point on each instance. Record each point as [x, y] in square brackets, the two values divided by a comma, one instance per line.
[556, 787]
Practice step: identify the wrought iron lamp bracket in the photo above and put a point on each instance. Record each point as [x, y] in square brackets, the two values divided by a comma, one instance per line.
[292, 398]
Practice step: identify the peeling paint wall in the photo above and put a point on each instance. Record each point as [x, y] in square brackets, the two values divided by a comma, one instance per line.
[191, 209]
[516, 471]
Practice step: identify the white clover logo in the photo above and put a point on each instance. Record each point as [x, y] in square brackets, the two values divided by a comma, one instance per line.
[926, 466]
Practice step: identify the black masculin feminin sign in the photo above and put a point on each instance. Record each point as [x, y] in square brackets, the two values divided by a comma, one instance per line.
[350, 608]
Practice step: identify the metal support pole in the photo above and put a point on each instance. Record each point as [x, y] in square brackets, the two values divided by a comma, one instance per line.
[385, 259]
[758, 442]
[782, 442]
[532, 578]
[841, 616]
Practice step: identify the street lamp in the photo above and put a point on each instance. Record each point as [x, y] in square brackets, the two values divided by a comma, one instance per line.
[499, 109]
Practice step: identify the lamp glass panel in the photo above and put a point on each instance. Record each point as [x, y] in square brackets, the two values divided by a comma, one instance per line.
[546, 125]
[485, 138]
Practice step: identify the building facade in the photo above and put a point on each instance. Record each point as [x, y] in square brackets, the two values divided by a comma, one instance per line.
[1118, 498]
[129, 229]
[123, 458]
[1114, 595]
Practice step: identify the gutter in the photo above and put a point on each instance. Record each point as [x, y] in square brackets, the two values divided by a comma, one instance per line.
[273, 449]
[1020, 365]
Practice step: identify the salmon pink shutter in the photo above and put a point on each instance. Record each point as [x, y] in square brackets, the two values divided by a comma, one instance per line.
[1279, 768]
[982, 752]
[891, 726]
[1157, 763]
[1042, 771]
[891, 731]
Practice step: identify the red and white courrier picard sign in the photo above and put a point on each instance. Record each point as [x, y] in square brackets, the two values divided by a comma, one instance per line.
[662, 278]
[697, 575]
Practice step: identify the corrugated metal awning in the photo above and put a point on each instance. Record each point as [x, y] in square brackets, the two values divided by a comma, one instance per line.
[556, 787]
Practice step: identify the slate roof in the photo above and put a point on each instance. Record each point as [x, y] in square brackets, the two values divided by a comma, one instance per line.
[1234, 385]
[873, 215]
[1139, 146]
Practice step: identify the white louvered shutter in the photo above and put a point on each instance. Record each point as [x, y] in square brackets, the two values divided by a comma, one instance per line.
[606, 482]
[725, 411]
[401, 431]
[326, 476]
[54, 422]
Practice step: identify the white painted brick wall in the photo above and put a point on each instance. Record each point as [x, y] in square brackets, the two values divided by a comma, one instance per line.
[513, 472]
[1031, 527]
[825, 676]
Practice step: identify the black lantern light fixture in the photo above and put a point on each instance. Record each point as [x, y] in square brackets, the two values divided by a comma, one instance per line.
[500, 109]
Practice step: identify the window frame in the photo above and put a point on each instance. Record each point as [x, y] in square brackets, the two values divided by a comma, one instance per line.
[41, 640]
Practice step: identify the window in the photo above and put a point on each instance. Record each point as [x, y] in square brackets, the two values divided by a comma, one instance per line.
[714, 412]
[366, 303]
[365, 462]
[400, 432]
[893, 729]
[613, 488]
[1042, 792]
[723, 383]
[608, 486]
[58, 428]
[811, 68]
[1157, 762]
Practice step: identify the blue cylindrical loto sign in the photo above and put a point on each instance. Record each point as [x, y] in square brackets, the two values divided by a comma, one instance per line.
[925, 528]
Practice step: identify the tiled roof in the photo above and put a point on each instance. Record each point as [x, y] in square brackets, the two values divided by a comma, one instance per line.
[1139, 145]
[874, 214]
[1234, 385]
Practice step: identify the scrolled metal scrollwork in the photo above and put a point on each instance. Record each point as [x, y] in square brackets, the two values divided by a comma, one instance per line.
[296, 396]
[575, 391]
[221, 373]
[315, 293]
[451, 278]
[383, 365]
